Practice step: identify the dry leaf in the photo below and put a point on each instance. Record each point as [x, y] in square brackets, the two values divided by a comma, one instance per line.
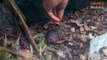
[86, 27]
[83, 37]
[97, 24]
[25, 53]
[82, 57]
[81, 29]
[73, 29]
[78, 22]
[33, 58]
[81, 45]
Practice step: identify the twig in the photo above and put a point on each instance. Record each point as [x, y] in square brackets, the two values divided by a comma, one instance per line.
[22, 24]
[10, 51]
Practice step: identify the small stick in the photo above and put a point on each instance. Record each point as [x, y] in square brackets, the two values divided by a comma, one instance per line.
[10, 51]
[22, 23]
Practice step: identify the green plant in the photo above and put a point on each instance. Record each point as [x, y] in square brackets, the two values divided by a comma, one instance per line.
[42, 46]
[5, 55]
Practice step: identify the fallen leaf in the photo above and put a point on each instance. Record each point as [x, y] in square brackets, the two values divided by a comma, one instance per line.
[81, 29]
[25, 53]
[82, 57]
[61, 54]
[86, 27]
[83, 37]
[73, 29]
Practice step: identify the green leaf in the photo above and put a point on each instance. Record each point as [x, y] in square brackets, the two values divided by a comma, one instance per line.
[1, 37]
[41, 42]
[16, 45]
[51, 49]
[47, 57]
[31, 48]
[41, 45]
[5, 41]
[42, 57]
[5, 55]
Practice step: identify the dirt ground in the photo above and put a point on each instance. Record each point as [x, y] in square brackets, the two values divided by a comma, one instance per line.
[71, 38]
